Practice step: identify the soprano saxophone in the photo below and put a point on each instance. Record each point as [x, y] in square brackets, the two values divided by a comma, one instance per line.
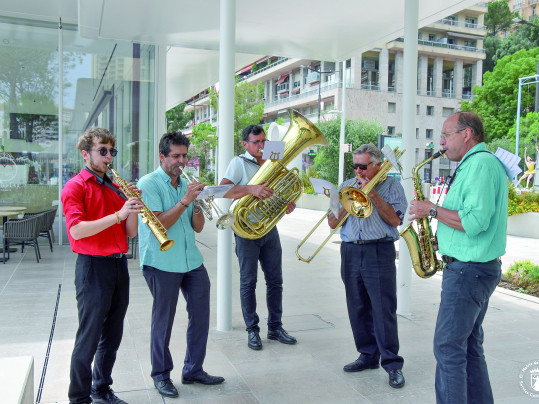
[148, 217]
[420, 243]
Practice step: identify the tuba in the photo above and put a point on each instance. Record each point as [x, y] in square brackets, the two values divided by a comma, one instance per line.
[420, 243]
[148, 217]
[254, 218]
[355, 201]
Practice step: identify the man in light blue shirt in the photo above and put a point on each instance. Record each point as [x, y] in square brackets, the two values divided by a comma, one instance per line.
[179, 268]
[472, 226]
[368, 267]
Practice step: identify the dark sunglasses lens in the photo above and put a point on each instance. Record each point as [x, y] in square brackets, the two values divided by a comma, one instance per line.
[103, 151]
[113, 152]
[362, 166]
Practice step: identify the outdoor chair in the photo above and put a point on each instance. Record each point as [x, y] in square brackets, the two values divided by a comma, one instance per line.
[46, 224]
[22, 232]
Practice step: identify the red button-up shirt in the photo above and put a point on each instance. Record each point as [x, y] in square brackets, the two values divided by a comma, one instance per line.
[84, 199]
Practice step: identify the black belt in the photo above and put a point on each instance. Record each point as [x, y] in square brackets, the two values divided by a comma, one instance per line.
[448, 260]
[115, 255]
[379, 240]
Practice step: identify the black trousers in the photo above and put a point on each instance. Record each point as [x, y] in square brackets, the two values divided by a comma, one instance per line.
[102, 287]
[165, 288]
[369, 275]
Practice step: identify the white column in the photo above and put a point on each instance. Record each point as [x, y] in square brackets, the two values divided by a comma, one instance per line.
[355, 67]
[404, 272]
[343, 123]
[422, 74]
[438, 76]
[458, 73]
[227, 52]
[160, 122]
[60, 231]
[383, 69]
[399, 72]
[477, 73]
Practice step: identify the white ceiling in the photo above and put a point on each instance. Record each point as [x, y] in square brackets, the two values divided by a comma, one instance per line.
[312, 29]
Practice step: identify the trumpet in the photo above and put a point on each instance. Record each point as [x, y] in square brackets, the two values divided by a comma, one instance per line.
[224, 221]
[355, 201]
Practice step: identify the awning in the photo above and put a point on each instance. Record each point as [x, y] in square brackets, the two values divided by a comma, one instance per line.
[283, 78]
[246, 69]
[467, 36]
[295, 90]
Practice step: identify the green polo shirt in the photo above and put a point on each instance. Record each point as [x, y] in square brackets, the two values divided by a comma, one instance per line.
[159, 195]
[479, 193]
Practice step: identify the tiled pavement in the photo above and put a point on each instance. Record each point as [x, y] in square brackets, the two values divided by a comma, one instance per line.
[314, 312]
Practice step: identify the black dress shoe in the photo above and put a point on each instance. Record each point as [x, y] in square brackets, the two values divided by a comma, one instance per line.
[203, 378]
[107, 397]
[166, 388]
[396, 378]
[253, 341]
[360, 364]
[282, 336]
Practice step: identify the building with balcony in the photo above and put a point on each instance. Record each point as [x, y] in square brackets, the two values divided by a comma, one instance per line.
[527, 9]
[450, 60]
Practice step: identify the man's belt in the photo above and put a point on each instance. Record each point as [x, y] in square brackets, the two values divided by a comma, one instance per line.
[448, 260]
[115, 255]
[379, 240]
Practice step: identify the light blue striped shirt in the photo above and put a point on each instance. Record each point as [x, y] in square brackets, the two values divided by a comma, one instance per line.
[374, 227]
[159, 195]
[240, 171]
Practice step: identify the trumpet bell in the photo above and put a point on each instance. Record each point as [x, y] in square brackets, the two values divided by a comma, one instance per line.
[225, 221]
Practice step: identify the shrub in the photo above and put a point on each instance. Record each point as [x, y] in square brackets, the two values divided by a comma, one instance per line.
[522, 202]
[525, 275]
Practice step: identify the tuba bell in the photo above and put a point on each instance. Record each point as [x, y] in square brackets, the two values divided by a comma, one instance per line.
[254, 218]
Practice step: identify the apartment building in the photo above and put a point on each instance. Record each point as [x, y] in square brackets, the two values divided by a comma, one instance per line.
[450, 59]
[527, 9]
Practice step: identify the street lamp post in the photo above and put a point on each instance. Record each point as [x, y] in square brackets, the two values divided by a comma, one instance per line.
[319, 85]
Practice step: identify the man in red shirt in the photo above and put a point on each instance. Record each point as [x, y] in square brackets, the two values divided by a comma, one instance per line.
[98, 221]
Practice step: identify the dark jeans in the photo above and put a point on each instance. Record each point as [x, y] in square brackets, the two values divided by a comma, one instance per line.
[165, 288]
[369, 275]
[268, 251]
[461, 369]
[102, 287]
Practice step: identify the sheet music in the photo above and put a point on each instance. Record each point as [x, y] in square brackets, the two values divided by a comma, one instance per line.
[334, 202]
[217, 191]
[322, 186]
[273, 151]
[391, 157]
[510, 162]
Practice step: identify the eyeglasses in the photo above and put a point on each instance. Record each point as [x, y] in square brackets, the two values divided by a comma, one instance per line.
[446, 135]
[103, 151]
[256, 142]
[361, 166]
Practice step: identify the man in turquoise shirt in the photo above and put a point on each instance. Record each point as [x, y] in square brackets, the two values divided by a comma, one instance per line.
[179, 268]
[472, 224]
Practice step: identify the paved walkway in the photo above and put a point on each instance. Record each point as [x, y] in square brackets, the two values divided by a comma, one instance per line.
[314, 312]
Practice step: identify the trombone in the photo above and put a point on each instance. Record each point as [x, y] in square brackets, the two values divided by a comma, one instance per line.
[224, 221]
[355, 201]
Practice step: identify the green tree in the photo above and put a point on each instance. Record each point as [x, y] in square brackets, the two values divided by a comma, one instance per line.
[523, 37]
[499, 17]
[248, 108]
[528, 135]
[204, 140]
[491, 46]
[496, 100]
[177, 118]
[357, 133]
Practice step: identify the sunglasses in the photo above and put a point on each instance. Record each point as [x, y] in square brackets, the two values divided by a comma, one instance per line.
[361, 166]
[103, 151]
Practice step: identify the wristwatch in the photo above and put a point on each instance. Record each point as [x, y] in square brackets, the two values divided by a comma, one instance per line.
[433, 211]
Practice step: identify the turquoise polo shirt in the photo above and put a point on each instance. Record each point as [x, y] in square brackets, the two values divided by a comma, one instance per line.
[479, 193]
[159, 195]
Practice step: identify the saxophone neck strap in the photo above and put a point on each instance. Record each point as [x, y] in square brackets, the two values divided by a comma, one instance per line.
[106, 181]
[452, 177]
[249, 161]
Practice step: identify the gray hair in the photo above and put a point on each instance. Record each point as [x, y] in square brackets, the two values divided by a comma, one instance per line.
[376, 154]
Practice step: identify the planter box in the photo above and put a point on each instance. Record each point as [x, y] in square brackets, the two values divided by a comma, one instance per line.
[524, 225]
[314, 202]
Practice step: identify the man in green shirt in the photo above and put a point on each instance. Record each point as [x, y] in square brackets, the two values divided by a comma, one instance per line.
[472, 224]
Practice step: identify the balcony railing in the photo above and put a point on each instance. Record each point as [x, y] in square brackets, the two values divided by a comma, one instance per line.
[262, 69]
[372, 87]
[431, 93]
[283, 87]
[454, 23]
[293, 97]
[445, 45]
[448, 94]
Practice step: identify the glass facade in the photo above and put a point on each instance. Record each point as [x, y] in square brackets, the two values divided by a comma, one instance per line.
[104, 83]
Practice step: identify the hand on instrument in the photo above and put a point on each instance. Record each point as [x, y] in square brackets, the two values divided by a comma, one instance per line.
[193, 190]
[291, 206]
[262, 191]
[132, 205]
[362, 181]
[420, 209]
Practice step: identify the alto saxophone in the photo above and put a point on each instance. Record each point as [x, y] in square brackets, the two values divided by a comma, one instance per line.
[420, 243]
[148, 217]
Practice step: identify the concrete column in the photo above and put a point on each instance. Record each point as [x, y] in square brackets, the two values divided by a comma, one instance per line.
[409, 97]
[438, 75]
[355, 74]
[383, 69]
[422, 76]
[477, 73]
[399, 61]
[458, 78]
[227, 52]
